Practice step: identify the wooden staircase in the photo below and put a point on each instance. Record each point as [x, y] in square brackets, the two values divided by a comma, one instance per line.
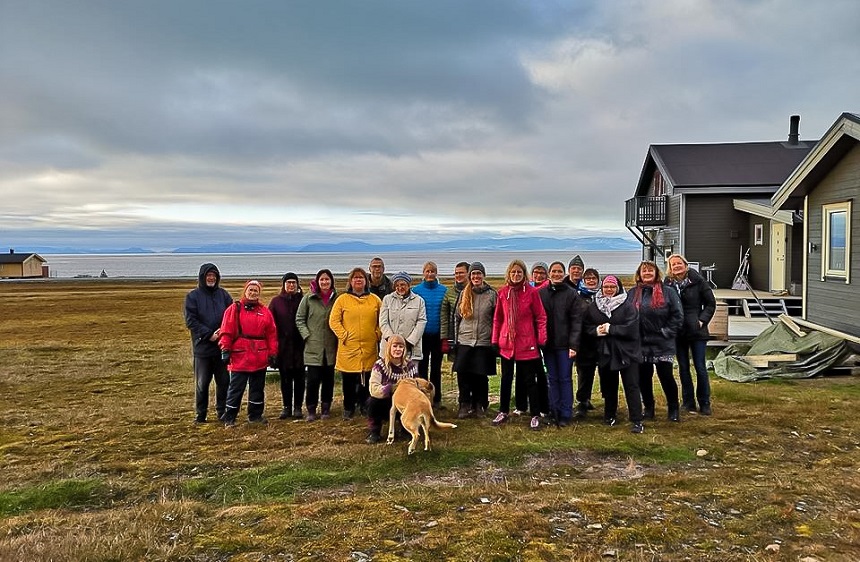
[768, 306]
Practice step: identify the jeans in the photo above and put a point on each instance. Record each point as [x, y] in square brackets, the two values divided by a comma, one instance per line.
[256, 383]
[205, 369]
[559, 368]
[430, 366]
[703, 383]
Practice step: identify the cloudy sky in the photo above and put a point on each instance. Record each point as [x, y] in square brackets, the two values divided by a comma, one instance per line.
[160, 123]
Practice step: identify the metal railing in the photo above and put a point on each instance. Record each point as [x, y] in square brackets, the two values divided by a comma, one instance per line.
[646, 211]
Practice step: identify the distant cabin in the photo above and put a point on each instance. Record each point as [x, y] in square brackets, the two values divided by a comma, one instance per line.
[21, 266]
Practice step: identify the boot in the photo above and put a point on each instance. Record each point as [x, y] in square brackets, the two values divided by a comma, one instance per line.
[648, 412]
[673, 413]
[326, 411]
[463, 412]
[285, 413]
[297, 412]
[312, 414]
[373, 437]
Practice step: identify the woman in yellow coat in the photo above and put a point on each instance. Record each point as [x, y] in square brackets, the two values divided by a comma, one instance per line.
[355, 321]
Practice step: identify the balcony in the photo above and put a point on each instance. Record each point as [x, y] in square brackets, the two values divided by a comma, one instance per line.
[646, 211]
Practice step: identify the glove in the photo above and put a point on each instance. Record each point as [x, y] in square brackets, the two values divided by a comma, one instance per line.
[386, 390]
[225, 356]
[446, 346]
[273, 361]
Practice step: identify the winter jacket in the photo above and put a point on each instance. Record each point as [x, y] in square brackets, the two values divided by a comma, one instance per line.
[248, 332]
[519, 322]
[312, 319]
[477, 330]
[383, 288]
[621, 347]
[382, 379]
[354, 320]
[563, 316]
[204, 310]
[291, 346]
[698, 304]
[657, 326]
[587, 354]
[433, 292]
[405, 316]
[448, 311]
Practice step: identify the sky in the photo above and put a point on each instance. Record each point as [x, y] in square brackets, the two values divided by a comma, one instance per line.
[164, 123]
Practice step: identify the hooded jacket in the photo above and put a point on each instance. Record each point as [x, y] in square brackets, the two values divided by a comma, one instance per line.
[291, 345]
[204, 310]
[519, 322]
[354, 320]
[406, 316]
[312, 319]
[248, 332]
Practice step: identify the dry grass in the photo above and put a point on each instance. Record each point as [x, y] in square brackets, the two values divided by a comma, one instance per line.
[101, 461]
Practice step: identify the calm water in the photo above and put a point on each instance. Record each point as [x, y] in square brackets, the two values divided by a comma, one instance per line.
[275, 265]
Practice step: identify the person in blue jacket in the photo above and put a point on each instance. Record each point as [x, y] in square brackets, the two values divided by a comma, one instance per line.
[433, 293]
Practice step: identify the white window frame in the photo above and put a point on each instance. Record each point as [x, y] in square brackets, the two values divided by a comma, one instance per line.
[758, 237]
[826, 212]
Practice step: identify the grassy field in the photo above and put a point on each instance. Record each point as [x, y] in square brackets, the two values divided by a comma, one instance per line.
[101, 461]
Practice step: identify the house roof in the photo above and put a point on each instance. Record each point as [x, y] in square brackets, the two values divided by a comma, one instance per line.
[19, 258]
[747, 167]
[842, 136]
[762, 208]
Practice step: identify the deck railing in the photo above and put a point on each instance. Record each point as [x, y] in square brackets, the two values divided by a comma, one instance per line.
[646, 211]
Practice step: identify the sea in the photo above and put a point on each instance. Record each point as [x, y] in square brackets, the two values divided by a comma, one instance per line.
[175, 265]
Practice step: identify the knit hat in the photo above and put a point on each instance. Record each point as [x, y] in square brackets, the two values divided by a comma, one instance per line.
[542, 264]
[289, 275]
[252, 282]
[611, 280]
[477, 266]
[401, 276]
[576, 261]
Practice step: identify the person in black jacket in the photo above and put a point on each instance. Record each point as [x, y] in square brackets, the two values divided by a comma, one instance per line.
[204, 309]
[563, 325]
[698, 304]
[660, 319]
[291, 346]
[614, 322]
[586, 356]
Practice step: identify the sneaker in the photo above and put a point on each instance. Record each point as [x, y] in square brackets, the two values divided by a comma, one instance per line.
[518, 412]
[610, 421]
[705, 410]
[637, 428]
[501, 418]
[285, 413]
[535, 423]
[297, 413]
[373, 438]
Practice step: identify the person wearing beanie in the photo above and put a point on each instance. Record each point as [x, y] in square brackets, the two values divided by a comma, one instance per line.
[449, 305]
[475, 357]
[519, 329]
[291, 346]
[586, 358]
[204, 310]
[613, 321]
[575, 268]
[540, 273]
[320, 344]
[433, 293]
[249, 343]
[403, 313]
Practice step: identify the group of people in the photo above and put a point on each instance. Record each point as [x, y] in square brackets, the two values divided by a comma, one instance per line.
[535, 328]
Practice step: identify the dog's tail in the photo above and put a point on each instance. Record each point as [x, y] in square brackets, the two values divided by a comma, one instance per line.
[441, 425]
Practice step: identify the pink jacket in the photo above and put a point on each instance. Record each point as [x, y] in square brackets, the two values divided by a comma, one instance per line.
[258, 341]
[519, 323]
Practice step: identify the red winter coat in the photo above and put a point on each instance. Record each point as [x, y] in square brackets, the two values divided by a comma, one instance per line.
[519, 323]
[258, 341]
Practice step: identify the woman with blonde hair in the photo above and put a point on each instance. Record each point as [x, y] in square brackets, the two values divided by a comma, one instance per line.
[698, 304]
[519, 330]
[392, 367]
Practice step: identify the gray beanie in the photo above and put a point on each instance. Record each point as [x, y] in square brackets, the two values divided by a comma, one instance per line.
[576, 261]
[542, 264]
[477, 266]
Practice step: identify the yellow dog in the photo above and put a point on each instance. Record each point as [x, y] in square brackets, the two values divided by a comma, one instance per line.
[411, 397]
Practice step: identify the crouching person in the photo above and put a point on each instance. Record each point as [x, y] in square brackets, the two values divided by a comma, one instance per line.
[392, 367]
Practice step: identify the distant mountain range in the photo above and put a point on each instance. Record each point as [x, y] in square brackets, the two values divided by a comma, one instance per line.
[589, 243]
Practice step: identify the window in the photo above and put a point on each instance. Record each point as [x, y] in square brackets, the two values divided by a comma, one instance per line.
[759, 235]
[836, 240]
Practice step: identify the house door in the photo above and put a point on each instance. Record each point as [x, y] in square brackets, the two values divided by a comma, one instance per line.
[778, 267]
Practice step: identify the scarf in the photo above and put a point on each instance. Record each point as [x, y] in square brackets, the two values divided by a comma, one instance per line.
[513, 309]
[607, 304]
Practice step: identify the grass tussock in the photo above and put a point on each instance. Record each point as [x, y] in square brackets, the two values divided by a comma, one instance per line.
[101, 461]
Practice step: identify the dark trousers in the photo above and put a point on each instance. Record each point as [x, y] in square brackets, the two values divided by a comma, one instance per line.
[609, 387]
[585, 382]
[667, 381]
[256, 383]
[559, 368]
[292, 387]
[320, 385]
[702, 391]
[378, 412]
[355, 391]
[431, 363]
[474, 390]
[206, 369]
[527, 393]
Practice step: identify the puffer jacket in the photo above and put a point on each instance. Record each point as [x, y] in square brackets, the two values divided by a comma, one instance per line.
[354, 320]
[291, 345]
[248, 332]
[563, 316]
[204, 310]
[698, 304]
[477, 330]
[657, 326]
[433, 293]
[522, 333]
[312, 319]
[406, 316]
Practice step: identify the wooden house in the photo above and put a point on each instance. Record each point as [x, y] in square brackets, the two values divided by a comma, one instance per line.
[20, 266]
[823, 188]
[711, 202]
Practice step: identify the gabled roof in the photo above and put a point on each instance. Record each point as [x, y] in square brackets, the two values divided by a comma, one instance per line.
[747, 167]
[19, 258]
[842, 136]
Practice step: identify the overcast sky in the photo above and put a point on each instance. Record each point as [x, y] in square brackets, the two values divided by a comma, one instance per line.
[162, 123]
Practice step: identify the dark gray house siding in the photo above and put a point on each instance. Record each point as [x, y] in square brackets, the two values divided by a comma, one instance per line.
[833, 302]
[715, 232]
[759, 255]
[797, 251]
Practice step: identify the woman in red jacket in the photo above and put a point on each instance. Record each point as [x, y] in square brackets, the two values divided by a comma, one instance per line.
[519, 330]
[249, 341]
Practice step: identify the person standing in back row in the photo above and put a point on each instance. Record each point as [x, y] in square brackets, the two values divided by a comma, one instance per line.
[449, 306]
[574, 272]
[291, 346]
[204, 309]
[380, 285]
[433, 293]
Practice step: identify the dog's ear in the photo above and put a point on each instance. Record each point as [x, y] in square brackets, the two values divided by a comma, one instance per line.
[430, 388]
